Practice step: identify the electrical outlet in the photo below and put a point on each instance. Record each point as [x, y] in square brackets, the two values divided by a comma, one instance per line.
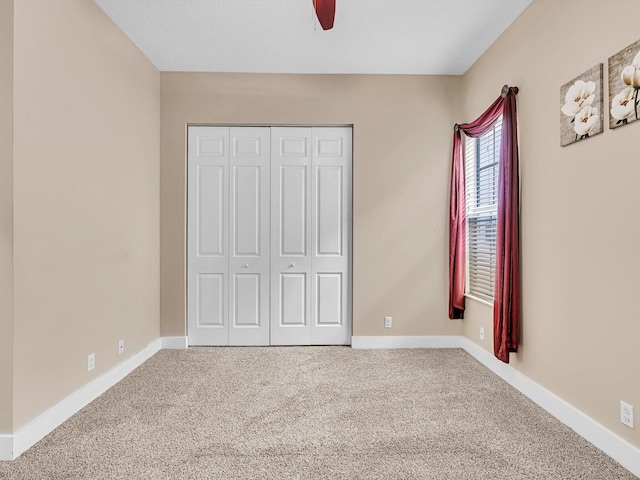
[121, 346]
[388, 321]
[91, 362]
[626, 414]
[481, 333]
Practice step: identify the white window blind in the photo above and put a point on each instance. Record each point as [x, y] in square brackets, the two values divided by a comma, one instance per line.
[482, 157]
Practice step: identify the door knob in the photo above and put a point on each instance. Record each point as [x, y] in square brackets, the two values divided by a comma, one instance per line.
[246, 265]
[292, 265]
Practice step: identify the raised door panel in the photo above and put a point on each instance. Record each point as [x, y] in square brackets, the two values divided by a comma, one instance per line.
[331, 242]
[210, 210]
[290, 236]
[329, 225]
[246, 289]
[293, 299]
[329, 295]
[210, 302]
[249, 258]
[207, 235]
[247, 211]
[293, 210]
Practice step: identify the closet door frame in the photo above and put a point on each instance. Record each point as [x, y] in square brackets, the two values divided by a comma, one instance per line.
[193, 339]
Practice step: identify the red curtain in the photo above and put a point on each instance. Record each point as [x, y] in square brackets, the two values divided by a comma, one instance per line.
[506, 309]
[506, 303]
[457, 233]
[326, 12]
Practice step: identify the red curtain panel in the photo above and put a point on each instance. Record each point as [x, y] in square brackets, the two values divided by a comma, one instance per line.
[506, 304]
[457, 231]
[326, 12]
[506, 309]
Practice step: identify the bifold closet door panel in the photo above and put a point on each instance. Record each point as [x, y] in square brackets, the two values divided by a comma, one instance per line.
[331, 239]
[290, 235]
[208, 238]
[249, 219]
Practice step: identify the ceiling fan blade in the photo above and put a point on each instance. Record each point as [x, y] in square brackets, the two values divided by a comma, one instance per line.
[326, 12]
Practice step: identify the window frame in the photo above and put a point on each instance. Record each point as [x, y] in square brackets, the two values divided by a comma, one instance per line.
[473, 169]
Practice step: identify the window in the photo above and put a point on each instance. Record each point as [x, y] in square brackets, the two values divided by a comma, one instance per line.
[482, 157]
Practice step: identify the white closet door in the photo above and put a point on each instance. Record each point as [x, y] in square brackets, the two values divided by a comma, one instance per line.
[290, 235]
[269, 235]
[208, 239]
[331, 239]
[249, 254]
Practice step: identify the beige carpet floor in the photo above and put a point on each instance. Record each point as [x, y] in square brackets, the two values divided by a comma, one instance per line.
[313, 413]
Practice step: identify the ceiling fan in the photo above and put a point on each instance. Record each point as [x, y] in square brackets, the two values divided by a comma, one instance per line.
[326, 12]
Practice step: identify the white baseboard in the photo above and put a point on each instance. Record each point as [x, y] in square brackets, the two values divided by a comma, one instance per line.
[616, 447]
[12, 446]
[443, 341]
[6, 447]
[175, 343]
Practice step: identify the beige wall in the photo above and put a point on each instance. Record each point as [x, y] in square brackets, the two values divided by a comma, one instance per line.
[402, 139]
[86, 199]
[580, 228]
[6, 215]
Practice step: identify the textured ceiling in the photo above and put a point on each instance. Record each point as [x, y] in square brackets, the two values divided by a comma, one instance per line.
[282, 36]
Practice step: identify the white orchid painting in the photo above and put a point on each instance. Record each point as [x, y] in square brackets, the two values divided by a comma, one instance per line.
[624, 86]
[581, 107]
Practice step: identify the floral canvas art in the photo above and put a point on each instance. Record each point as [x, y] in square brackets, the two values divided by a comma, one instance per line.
[624, 85]
[581, 107]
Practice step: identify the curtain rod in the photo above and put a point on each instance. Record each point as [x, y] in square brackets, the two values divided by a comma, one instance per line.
[505, 91]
